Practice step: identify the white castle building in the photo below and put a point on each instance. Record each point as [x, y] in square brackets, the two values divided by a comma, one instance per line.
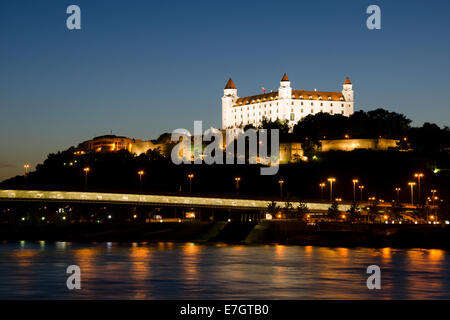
[284, 104]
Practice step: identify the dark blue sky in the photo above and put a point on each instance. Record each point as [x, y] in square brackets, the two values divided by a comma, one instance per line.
[140, 68]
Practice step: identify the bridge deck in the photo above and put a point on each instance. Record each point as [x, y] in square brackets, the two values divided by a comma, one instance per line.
[141, 199]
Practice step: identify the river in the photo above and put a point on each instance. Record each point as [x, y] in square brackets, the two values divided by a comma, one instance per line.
[37, 270]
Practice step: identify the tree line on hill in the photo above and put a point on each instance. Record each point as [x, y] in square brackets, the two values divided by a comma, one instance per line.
[379, 123]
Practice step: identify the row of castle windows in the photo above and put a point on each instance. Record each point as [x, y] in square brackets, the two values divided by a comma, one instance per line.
[292, 118]
[292, 115]
[293, 97]
[292, 103]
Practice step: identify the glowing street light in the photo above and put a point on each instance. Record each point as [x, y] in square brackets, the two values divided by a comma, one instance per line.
[361, 192]
[412, 184]
[355, 181]
[190, 176]
[27, 166]
[281, 181]
[237, 179]
[398, 194]
[140, 173]
[86, 172]
[433, 197]
[419, 176]
[321, 185]
[331, 180]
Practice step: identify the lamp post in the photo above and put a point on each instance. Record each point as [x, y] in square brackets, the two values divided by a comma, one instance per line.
[355, 181]
[281, 181]
[190, 176]
[412, 184]
[321, 185]
[27, 166]
[86, 172]
[418, 176]
[237, 179]
[433, 191]
[398, 194]
[331, 180]
[140, 173]
[361, 192]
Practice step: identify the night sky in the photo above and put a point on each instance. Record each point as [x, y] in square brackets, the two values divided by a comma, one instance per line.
[140, 68]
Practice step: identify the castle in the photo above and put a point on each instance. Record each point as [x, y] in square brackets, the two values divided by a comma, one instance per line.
[284, 104]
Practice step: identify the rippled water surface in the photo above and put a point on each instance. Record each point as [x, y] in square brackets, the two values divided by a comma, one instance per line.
[37, 270]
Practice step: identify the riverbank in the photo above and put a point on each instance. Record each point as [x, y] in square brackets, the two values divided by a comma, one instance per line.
[267, 232]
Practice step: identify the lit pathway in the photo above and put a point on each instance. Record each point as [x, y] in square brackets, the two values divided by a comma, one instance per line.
[157, 200]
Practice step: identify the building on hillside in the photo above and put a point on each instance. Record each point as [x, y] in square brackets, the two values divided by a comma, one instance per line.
[353, 144]
[284, 104]
[112, 143]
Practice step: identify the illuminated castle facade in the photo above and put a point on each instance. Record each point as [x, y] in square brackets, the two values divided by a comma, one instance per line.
[284, 104]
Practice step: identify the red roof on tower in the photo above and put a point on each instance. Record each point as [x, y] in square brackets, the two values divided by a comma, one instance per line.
[347, 81]
[285, 78]
[230, 84]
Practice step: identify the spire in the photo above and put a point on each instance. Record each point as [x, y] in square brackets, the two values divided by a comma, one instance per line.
[347, 81]
[230, 84]
[285, 78]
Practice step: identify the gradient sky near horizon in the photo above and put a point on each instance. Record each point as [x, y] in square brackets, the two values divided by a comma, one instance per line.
[140, 68]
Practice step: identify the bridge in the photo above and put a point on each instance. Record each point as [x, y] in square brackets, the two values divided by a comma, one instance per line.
[151, 200]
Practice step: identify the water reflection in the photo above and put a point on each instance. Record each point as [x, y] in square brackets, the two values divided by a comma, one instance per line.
[37, 270]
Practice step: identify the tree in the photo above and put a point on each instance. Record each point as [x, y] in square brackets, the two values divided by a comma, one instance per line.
[354, 212]
[333, 211]
[273, 208]
[302, 210]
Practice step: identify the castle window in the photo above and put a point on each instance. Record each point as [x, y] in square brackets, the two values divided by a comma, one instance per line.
[342, 104]
[292, 103]
[312, 103]
[292, 117]
[329, 98]
[312, 110]
[331, 111]
[320, 97]
[310, 97]
[301, 103]
[321, 110]
[331, 104]
[301, 111]
[301, 97]
[321, 104]
[342, 112]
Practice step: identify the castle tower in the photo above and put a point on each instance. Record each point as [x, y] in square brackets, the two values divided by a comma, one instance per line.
[285, 91]
[228, 99]
[347, 90]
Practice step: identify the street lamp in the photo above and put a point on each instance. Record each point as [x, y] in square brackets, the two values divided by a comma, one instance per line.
[27, 166]
[321, 185]
[140, 173]
[355, 181]
[86, 171]
[419, 176]
[361, 192]
[412, 184]
[237, 179]
[398, 194]
[281, 181]
[433, 197]
[190, 176]
[331, 180]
